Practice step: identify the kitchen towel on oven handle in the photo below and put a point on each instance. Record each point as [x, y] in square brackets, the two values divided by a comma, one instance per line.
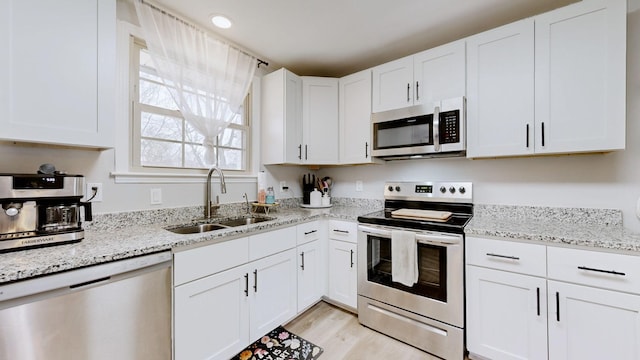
[404, 257]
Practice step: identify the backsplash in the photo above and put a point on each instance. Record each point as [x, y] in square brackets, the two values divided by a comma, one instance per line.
[119, 220]
[576, 216]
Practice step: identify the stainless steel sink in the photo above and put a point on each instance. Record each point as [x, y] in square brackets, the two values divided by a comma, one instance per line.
[244, 221]
[219, 225]
[200, 228]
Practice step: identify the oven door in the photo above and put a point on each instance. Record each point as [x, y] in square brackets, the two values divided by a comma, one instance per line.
[439, 292]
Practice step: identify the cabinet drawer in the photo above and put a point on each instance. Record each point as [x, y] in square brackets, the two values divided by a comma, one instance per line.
[203, 261]
[517, 257]
[343, 230]
[308, 232]
[271, 242]
[599, 269]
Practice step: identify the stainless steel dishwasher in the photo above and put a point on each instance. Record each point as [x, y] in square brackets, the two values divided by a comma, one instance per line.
[118, 310]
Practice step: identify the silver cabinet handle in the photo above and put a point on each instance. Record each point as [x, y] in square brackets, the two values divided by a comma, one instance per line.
[341, 231]
[310, 232]
[351, 258]
[246, 284]
[408, 88]
[503, 256]
[302, 256]
[417, 90]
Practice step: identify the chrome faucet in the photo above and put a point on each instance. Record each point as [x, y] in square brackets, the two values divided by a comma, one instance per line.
[223, 190]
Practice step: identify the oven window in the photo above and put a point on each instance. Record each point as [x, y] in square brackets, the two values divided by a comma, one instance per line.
[432, 268]
[404, 133]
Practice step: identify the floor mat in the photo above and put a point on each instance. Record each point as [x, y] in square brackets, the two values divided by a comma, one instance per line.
[280, 344]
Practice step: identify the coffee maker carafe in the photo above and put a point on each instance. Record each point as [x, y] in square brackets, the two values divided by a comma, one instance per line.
[41, 209]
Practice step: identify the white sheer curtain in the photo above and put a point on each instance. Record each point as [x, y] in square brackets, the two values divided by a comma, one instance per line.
[207, 78]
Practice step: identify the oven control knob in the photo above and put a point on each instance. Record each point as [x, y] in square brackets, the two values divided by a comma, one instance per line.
[462, 190]
[452, 190]
[390, 188]
[11, 211]
[397, 188]
[443, 189]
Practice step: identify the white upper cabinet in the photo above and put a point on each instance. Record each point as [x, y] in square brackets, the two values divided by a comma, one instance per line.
[439, 73]
[500, 99]
[551, 84]
[355, 118]
[57, 72]
[581, 77]
[423, 78]
[320, 120]
[392, 85]
[281, 120]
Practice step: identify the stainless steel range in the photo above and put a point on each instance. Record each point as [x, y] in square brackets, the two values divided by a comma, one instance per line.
[411, 265]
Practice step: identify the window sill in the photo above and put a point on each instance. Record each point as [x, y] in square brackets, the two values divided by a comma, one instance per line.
[168, 178]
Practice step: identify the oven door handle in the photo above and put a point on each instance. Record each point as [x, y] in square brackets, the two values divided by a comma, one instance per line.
[432, 239]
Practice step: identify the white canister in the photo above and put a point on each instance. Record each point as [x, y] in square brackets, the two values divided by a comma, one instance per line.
[315, 198]
[326, 200]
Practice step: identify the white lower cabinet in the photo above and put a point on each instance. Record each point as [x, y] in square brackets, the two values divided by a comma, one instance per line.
[343, 258]
[343, 273]
[585, 306]
[272, 292]
[507, 314]
[311, 274]
[211, 316]
[590, 323]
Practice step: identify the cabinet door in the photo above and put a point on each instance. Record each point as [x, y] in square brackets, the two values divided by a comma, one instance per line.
[581, 77]
[392, 87]
[281, 118]
[211, 316]
[320, 120]
[57, 72]
[273, 292]
[590, 323]
[355, 118]
[439, 73]
[500, 91]
[506, 315]
[311, 274]
[343, 280]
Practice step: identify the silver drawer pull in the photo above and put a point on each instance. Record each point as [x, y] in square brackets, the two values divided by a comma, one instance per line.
[341, 231]
[601, 271]
[503, 256]
[311, 232]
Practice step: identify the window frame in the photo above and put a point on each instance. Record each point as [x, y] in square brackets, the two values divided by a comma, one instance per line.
[136, 45]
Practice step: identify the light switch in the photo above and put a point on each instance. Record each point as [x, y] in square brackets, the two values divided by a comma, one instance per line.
[156, 196]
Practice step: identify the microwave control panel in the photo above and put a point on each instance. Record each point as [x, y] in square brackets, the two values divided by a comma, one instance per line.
[449, 127]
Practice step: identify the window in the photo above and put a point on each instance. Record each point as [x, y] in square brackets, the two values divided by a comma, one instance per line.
[162, 138]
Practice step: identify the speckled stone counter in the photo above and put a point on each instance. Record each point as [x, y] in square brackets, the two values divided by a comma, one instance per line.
[599, 229]
[123, 235]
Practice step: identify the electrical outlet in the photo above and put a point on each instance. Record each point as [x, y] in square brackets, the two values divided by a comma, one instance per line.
[283, 186]
[359, 185]
[156, 196]
[89, 194]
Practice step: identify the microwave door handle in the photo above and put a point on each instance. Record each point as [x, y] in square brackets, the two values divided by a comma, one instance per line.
[436, 128]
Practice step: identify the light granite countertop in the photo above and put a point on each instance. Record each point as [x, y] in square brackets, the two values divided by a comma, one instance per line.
[112, 237]
[595, 229]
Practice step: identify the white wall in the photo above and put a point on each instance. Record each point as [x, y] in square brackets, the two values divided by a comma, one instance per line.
[610, 180]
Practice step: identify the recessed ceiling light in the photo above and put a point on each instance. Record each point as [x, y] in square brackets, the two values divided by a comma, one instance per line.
[221, 21]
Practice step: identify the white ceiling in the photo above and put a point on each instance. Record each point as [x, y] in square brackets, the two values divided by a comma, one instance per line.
[339, 37]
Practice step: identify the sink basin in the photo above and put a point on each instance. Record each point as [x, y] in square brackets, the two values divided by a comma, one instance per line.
[193, 229]
[243, 221]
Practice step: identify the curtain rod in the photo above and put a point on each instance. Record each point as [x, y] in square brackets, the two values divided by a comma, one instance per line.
[154, 7]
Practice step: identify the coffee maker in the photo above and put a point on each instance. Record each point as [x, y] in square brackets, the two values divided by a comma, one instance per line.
[41, 210]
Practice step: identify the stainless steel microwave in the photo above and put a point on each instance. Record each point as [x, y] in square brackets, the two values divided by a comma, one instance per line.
[433, 130]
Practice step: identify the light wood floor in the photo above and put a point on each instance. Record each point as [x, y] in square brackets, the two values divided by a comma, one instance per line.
[341, 336]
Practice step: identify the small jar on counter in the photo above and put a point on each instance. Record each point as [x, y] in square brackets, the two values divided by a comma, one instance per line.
[271, 196]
